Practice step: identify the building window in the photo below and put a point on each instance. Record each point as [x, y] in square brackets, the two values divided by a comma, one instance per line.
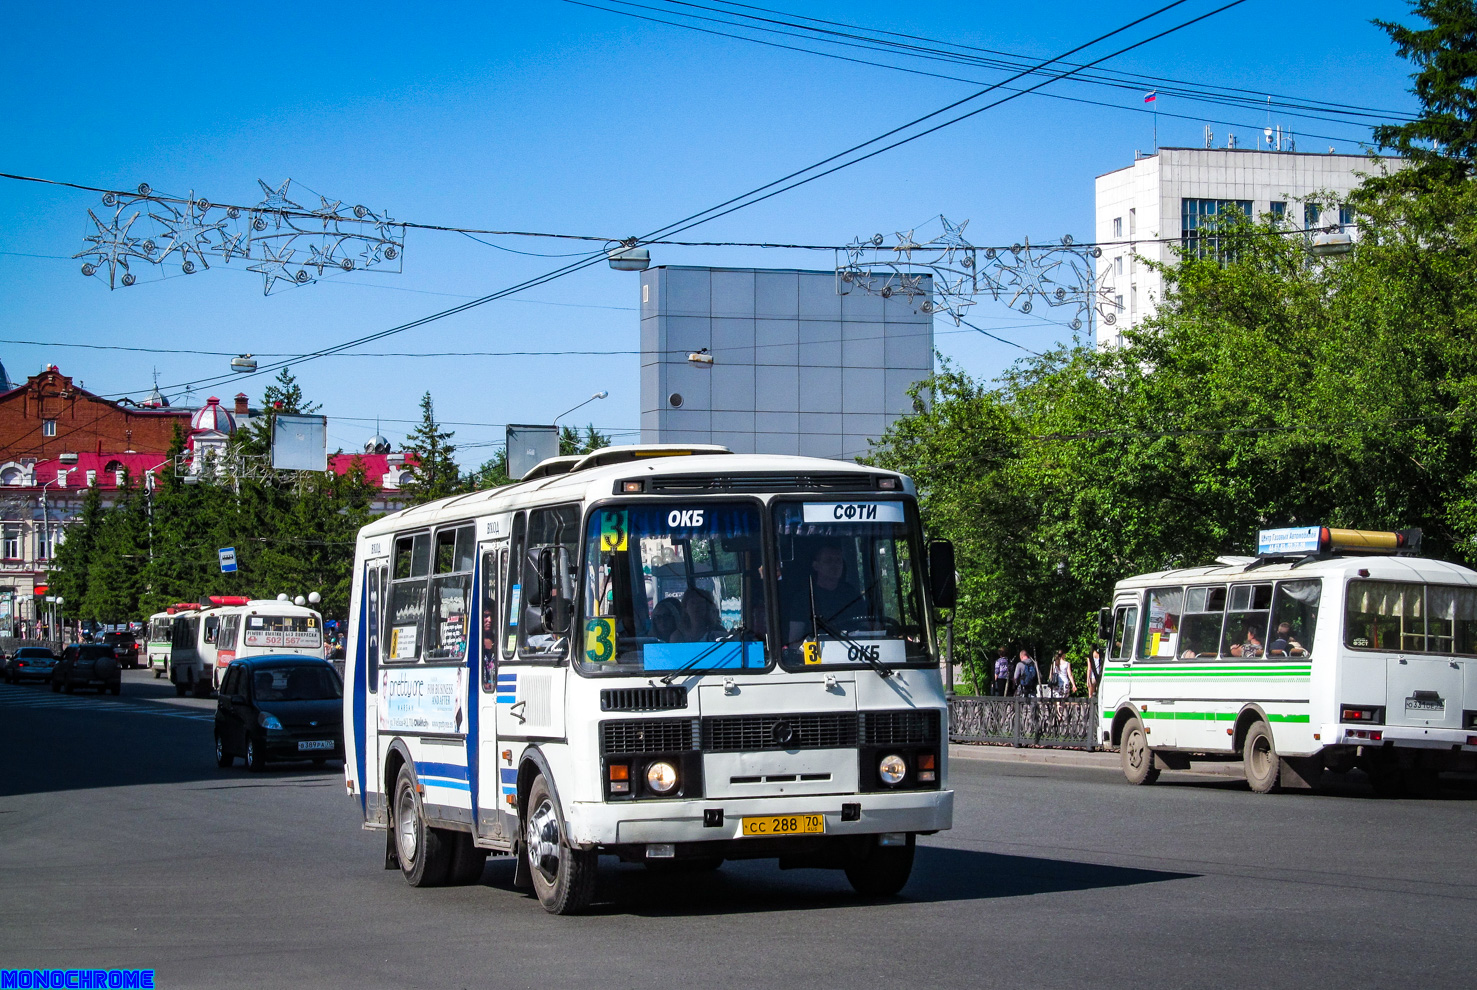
[10, 536]
[1133, 300]
[1118, 303]
[1117, 226]
[1194, 214]
[1118, 265]
[1133, 222]
[48, 427]
[1346, 215]
[1311, 213]
[47, 538]
[1278, 210]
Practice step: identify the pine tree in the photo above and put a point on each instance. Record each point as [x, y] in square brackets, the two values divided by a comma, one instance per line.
[116, 564]
[1442, 141]
[435, 475]
[69, 568]
[284, 395]
[572, 442]
[490, 474]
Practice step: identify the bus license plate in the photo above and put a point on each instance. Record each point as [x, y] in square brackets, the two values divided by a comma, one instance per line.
[308, 744]
[783, 825]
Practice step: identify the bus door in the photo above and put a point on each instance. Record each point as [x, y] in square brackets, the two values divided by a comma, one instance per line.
[490, 769]
[1151, 680]
[363, 684]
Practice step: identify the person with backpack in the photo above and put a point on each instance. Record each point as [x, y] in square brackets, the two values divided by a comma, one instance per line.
[1027, 675]
[1002, 671]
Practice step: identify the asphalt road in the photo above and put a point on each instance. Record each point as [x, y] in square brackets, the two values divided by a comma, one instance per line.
[122, 845]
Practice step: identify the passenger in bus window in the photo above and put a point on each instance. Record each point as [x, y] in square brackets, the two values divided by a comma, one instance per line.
[664, 619]
[1283, 644]
[698, 619]
[1251, 646]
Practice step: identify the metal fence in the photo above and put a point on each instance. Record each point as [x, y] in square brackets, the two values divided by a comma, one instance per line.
[1062, 723]
[9, 644]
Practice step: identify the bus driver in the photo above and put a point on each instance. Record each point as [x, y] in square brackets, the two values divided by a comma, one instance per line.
[837, 603]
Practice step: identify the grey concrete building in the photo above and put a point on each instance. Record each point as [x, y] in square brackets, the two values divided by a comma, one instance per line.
[797, 368]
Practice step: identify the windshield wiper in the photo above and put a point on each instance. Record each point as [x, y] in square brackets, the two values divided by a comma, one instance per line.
[854, 649]
[743, 638]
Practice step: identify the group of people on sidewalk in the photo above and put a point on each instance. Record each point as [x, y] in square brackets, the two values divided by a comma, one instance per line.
[1023, 676]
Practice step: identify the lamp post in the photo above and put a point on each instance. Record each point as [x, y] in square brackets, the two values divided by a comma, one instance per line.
[57, 620]
[597, 395]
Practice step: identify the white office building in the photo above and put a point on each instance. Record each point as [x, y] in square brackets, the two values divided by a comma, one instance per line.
[1161, 200]
[776, 361]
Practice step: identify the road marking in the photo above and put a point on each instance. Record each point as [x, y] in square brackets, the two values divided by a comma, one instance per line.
[14, 697]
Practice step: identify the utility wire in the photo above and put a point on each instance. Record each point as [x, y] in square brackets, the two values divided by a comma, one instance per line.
[752, 197]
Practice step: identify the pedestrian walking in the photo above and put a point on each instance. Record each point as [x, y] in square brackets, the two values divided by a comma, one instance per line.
[1002, 671]
[1062, 681]
[1027, 675]
[1094, 672]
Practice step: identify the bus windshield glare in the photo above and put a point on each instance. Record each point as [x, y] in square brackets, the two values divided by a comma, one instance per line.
[848, 583]
[673, 587]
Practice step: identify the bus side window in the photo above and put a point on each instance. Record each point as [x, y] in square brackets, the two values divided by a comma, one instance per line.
[1205, 609]
[212, 627]
[1161, 631]
[514, 601]
[1294, 618]
[488, 623]
[548, 580]
[450, 609]
[1123, 629]
[1246, 621]
[374, 583]
[407, 606]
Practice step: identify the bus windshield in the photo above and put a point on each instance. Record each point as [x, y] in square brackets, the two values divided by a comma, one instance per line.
[848, 583]
[673, 587]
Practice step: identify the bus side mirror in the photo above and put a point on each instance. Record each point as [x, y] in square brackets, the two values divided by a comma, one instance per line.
[1104, 624]
[943, 582]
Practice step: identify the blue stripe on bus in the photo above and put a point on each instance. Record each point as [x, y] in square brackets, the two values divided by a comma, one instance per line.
[450, 785]
[450, 770]
[473, 702]
[509, 775]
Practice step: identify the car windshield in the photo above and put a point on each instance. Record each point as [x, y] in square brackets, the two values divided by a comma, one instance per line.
[303, 683]
[673, 586]
[849, 586]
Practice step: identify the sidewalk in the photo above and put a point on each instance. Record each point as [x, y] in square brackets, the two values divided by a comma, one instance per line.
[1074, 758]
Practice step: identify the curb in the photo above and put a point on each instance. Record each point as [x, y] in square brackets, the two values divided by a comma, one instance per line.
[1072, 758]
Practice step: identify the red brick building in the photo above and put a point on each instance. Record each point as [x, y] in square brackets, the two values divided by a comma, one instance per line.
[49, 415]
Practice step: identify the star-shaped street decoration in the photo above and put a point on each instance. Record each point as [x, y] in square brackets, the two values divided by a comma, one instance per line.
[906, 245]
[188, 234]
[273, 266]
[329, 211]
[234, 244]
[953, 235]
[112, 245]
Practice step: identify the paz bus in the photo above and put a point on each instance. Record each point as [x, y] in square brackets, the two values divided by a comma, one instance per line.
[261, 627]
[673, 655]
[158, 639]
[1330, 649]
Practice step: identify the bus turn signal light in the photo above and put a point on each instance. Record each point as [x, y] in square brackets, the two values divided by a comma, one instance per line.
[927, 772]
[620, 778]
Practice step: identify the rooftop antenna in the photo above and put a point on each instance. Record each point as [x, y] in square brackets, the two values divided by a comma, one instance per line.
[1209, 137]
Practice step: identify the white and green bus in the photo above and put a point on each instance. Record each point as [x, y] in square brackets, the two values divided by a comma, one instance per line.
[1329, 650]
[158, 639]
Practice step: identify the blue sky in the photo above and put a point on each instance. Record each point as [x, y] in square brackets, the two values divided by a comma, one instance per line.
[550, 116]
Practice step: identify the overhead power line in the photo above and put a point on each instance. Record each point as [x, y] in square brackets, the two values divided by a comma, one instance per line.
[794, 179]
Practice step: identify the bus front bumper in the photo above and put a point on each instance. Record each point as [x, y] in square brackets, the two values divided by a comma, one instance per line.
[630, 822]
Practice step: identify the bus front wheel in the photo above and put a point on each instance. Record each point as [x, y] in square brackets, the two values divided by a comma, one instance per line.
[883, 870]
[1260, 757]
[424, 853]
[1137, 757]
[563, 877]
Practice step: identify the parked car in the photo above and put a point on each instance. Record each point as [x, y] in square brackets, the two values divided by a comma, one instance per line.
[125, 648]
[87, 665]
[29, 663]
[283, 707]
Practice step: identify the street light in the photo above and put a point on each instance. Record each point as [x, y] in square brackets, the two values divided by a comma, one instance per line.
[57, 618]
[597, 395]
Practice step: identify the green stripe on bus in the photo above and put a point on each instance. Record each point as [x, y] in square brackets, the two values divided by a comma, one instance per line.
[1207, 716]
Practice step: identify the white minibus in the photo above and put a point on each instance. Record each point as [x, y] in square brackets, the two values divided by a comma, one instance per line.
[1329, 650]
[264, 627]
[673, 655]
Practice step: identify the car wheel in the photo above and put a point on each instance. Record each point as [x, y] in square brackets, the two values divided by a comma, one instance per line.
[1135, 754]
[883, 871]
[256, 760]
[179, 689]
[202, 688]
[423, 851]
[1259, 754]
[222, 758]
[563, 877]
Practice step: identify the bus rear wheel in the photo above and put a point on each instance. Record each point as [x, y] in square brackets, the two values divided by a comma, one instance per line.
[424, 853]
[1259, 754]
[563, 877]
[1137, 757]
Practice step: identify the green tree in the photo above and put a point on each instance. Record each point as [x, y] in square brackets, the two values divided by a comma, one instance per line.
[435, 474]
[1442, 140]
[284, 395]
[572, 441]
[490, 474]
[69, 567]
[116, 564]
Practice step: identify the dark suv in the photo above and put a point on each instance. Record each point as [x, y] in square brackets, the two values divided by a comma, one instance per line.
[125, 647]
[89, 665]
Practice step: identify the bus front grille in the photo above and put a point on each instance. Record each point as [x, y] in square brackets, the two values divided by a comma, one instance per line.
[749, 733]
[899, 728]
[643, 699]
[646, 735]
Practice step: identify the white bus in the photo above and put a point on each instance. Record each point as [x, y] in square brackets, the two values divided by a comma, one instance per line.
[158, 640]
[672, 655]
[264, 627]
[192, 654]
[1331, 649]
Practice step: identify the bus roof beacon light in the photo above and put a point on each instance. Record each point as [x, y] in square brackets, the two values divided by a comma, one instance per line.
[314, 598]
[629, 259]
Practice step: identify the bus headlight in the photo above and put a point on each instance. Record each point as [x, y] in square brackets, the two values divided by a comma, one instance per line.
[892, 770]
[661, 777]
